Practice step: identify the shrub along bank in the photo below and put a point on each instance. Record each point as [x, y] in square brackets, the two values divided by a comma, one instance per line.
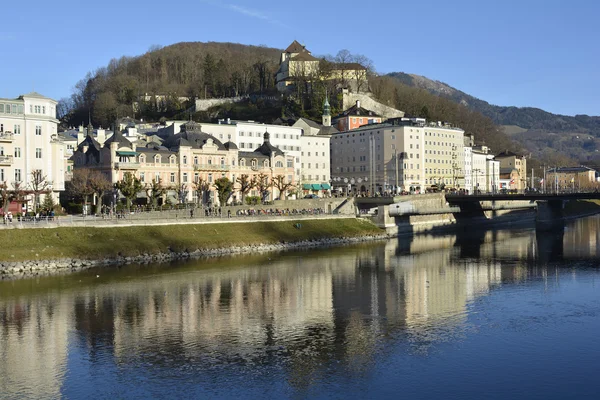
[98, 243]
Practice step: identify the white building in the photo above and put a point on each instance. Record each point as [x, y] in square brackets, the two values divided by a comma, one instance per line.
[248, 136]
[29, 141]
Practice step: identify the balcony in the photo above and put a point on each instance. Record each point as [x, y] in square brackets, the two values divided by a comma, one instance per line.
[6, 137]
[211, 167]
[127, 165]
[6, 160]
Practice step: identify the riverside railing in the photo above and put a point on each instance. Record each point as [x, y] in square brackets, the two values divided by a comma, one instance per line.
[195, 215]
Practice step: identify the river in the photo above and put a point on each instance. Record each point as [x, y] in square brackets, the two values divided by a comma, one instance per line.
[487, 315]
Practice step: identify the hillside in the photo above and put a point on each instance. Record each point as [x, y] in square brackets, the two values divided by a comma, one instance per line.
[537, 130]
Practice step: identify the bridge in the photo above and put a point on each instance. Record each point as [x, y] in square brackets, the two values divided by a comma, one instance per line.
[447, 209]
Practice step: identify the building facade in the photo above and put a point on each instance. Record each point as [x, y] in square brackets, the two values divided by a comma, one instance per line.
[183, 160]
[402, 155]
[509, 161]
[29, 142]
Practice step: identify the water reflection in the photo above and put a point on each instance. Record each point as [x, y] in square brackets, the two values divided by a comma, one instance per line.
[301, 317]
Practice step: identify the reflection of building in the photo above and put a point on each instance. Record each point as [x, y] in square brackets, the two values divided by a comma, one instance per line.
[34, 346]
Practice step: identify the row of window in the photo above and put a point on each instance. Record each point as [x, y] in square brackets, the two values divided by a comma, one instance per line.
[324, 165]
[17, 175]
[17, 152]
[309, 177]
[17, 129]
[11, 108]
[308, 153]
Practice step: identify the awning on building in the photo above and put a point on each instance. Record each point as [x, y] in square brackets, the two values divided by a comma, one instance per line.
[326, 186]
[126, 153]
[306, 186]
[316, 186]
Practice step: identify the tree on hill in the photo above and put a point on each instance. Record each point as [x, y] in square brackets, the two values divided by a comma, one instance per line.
[194, 70]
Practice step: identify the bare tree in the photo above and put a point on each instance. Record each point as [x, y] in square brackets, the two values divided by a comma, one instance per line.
[38, 186]
[246, 184]
[282, 185]
[79, 186]
[201, 186]
[99, 185]
[262, 184]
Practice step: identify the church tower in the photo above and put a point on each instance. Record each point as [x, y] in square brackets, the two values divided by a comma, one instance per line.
[326, 113]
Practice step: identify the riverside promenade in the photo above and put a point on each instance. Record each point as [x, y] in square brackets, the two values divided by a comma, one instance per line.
[281, 211]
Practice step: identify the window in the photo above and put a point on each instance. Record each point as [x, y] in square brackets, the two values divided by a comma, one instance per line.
[290, 163]
[184, 160]
[17, 129]
[172, 159]
[195, 160]
[185, 177]
[254, 163]
[1, 175]
[209, 161]
[172, 177]
[142, 177]
[157, 177]
[279, 164]
[18, 175]
[222, 161]
[38, 130]
[1, 154]
[38, 152]
[17, 152]
[210, 179]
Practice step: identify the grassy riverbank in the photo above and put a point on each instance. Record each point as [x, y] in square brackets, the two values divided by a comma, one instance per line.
[96, 243]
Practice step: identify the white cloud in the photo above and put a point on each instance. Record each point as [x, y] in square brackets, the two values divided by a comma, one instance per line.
[247, 12]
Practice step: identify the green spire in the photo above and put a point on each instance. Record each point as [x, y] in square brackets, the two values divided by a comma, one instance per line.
[326, 107]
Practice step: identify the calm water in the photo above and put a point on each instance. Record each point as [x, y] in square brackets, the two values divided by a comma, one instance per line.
[490, 315]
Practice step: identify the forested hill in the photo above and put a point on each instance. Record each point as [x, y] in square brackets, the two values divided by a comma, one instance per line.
[192, 69]
[538, 128]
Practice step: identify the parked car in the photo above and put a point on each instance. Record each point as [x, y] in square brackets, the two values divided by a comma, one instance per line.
[311, 196]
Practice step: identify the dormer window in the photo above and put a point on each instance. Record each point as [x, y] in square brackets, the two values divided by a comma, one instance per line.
[266, 163]
[254, 163]
[157, 159]
[142, 158]
[172, 159]
[242, 162]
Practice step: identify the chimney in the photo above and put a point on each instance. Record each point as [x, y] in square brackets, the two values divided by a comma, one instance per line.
[357, 103]
[80, 135]
[101, 136]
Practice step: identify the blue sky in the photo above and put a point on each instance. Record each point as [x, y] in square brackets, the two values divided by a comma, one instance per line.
[539, 53]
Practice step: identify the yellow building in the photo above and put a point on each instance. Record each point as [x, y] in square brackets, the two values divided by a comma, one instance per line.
[571, 178]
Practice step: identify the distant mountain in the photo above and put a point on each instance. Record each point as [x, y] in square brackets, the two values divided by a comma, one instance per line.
[537, 130]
